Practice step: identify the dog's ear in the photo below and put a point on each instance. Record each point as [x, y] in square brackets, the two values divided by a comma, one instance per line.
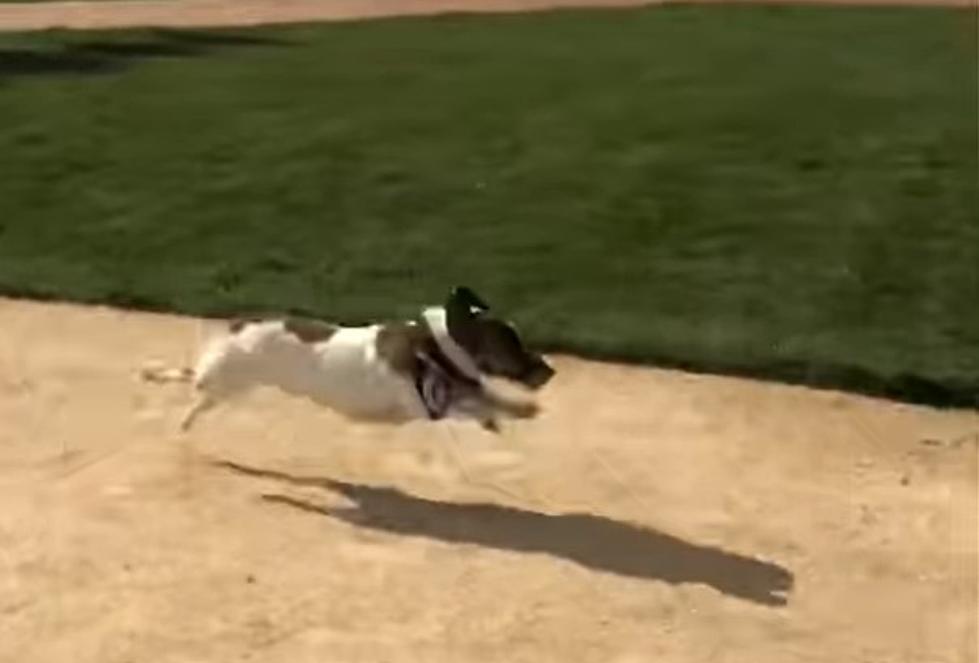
[461, 309]
[464, 296]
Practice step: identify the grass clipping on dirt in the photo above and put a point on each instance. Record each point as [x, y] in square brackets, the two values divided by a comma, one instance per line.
[783, 192]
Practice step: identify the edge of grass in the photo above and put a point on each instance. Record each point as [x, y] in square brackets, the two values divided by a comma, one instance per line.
[903, 387]
[909, 387]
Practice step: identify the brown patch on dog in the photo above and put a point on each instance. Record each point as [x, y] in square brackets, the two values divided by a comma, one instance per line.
[310, 331]
[399, 345]
[405, 347]
[306, 330]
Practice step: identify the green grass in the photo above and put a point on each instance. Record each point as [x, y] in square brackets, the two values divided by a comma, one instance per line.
[783, 192]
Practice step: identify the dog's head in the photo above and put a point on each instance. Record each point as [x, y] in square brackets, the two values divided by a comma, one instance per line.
[494, 344]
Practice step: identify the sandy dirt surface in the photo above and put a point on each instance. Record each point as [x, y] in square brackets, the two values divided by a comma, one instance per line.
[203, 13]
[647, 516]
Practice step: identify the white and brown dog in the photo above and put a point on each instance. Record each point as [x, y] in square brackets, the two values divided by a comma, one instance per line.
[430, 368]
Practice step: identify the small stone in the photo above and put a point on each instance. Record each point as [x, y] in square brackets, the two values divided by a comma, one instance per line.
[250, 579]
[905, 480]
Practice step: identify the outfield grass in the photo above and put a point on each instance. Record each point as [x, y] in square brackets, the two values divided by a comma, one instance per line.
[785, 192]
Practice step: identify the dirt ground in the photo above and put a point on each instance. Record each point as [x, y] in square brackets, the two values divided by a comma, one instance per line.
[203, 13]
[647, 516]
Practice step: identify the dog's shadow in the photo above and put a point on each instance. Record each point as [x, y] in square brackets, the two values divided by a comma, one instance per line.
[595, 542]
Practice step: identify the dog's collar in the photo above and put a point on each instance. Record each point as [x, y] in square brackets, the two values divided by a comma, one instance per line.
[435, 319]
[434, 390]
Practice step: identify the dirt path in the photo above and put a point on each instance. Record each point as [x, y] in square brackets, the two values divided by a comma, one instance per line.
[652, 516]
[203, 13]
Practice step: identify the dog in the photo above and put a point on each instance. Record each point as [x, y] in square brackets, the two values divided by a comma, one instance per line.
[433, 367]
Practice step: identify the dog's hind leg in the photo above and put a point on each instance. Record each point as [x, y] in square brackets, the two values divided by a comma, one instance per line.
[204, 402]
[215, 386]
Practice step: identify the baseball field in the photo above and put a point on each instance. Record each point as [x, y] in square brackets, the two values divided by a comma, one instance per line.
[769, 213]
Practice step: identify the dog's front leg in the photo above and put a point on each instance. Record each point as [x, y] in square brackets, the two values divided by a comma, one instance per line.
[490, 425]
[511, 407]
[484, 406]
[475, 405]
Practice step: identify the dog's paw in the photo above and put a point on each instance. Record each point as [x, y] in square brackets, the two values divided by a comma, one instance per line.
[490, 425]
[525, 409]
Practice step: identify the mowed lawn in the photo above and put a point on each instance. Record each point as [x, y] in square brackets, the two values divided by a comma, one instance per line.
[784, 192]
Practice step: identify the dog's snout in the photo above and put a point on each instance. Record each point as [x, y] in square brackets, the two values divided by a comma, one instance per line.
[539, 375]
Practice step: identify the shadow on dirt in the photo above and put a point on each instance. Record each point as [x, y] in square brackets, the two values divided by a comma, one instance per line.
[57, 55]
[596, 542]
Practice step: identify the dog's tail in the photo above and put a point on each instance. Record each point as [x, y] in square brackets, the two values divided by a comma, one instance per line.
[157, 373]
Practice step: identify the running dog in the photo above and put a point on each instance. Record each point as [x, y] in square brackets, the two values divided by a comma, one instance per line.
[431, 367]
